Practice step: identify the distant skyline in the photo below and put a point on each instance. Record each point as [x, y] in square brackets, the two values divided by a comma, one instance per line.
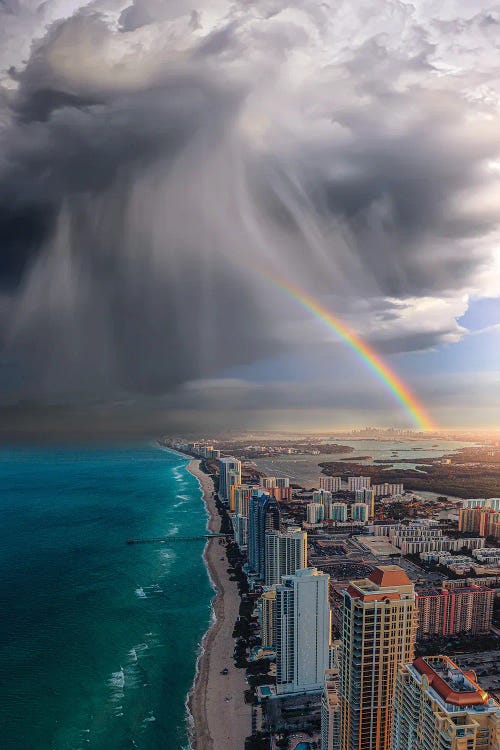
[161, 163]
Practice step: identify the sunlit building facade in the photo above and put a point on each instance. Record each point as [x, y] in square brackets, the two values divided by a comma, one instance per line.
[285, 554]
[438, 706]
[302, 630]
[378, 634]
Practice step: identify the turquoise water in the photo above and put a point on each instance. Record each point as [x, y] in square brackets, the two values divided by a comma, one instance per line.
[98, 639]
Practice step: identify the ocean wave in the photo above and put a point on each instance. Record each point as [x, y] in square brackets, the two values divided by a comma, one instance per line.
[117, 679]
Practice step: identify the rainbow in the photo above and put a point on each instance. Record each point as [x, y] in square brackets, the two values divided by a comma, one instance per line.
[371, 358]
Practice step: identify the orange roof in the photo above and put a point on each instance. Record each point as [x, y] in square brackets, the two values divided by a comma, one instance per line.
[389, 575]
[474, 697]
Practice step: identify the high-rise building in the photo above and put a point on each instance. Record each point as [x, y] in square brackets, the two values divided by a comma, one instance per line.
[366, 495]
[488, 522]
[468, 519]
[480, 520]
[358, 483]
[241, 531]
[378, 633]
[282, 482]
[338, 512]
[267, 616]
[277, 487]
[490, 502]
[233, 479]
[386, 489]
[302, 629]
[285, 554]
[315, 512]
[332, 484]
[468, 609]
[242, 495]
[322, 496]
[263, 515]
[330, 711]
[226, 465]
[438, 706]
[268, 482]
[360, 512]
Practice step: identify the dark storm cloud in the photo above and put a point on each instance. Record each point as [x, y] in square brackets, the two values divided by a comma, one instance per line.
[151, 166]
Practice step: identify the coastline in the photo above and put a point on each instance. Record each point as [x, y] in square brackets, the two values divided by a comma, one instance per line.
[214, 721]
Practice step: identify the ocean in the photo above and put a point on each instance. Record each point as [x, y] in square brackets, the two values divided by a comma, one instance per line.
[98, 639]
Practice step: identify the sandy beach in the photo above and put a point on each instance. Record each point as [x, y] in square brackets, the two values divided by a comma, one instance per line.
[221, 717]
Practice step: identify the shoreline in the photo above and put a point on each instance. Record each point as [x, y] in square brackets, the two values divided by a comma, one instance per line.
[217, 713]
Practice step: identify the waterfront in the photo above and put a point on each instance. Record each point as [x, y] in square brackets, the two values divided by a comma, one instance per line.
[99, 639]
[304, 469]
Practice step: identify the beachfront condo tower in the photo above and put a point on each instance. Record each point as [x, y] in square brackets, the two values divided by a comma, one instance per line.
[242, 495]
[440, 707]
[302, 630]
[267, 614]
[227, 465]
[285, 553]
[330, 711]
[263, 515]
[378, 634]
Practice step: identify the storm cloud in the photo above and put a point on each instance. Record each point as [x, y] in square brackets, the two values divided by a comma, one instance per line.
[158, 160]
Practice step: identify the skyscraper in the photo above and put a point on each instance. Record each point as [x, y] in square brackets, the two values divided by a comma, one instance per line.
[233, 481]
[440, 707]
[263, 515]
[378, 634]
[226, 465]
[285, 554]
[242, 495]
[267, 616]
[302, 629]
[241, 531]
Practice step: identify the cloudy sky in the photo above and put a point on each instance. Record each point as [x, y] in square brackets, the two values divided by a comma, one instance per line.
[161, 161]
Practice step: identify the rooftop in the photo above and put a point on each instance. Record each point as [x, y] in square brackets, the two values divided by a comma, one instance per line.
[386, 576]
[384, 582]
[453, 685]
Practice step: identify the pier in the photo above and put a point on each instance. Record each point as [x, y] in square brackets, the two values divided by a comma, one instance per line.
[169, 539]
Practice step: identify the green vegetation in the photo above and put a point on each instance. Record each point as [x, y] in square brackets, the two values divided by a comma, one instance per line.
[471, 473]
